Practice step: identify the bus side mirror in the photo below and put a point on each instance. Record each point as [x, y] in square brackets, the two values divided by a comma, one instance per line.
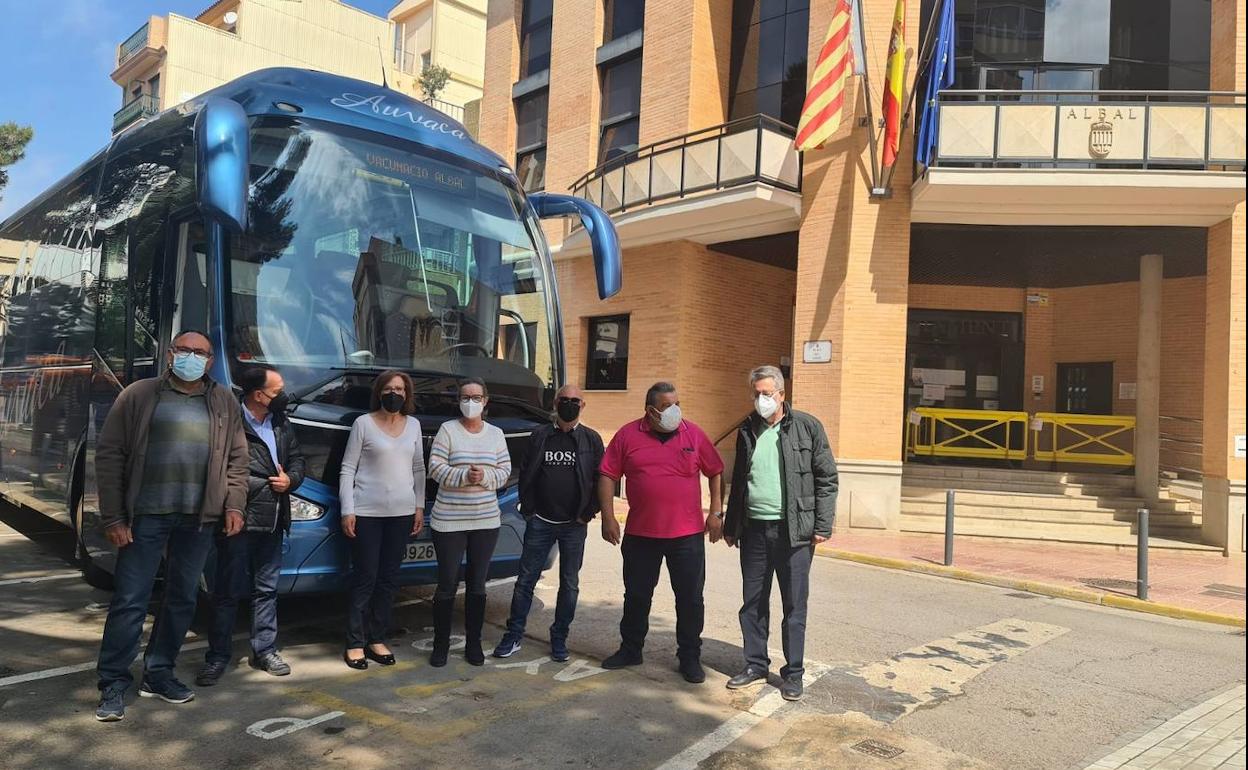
[221, 152]
[604, 243]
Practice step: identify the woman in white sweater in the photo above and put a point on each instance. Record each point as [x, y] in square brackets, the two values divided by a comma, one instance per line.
[381, 490]
[470, 463]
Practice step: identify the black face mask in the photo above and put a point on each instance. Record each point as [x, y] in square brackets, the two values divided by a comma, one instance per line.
[392, 402]
[568, 410]
[278, 404]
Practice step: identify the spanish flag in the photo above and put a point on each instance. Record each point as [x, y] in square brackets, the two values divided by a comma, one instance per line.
[894, 84]
[825, 101]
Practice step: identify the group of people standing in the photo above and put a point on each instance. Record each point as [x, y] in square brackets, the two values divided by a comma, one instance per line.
[181, 466]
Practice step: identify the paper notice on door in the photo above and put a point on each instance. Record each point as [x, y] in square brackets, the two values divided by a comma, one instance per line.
[951, 377]
[986, 384]
[933, 392]
[1126, 391]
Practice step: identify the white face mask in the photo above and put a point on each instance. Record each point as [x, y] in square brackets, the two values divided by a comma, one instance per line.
[766, 406]
[669, 418]
[471, 409]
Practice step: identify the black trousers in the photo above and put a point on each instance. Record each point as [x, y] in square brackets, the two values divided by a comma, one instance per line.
[452, 547]
[376, 555]
[766, 551]
[686, 567]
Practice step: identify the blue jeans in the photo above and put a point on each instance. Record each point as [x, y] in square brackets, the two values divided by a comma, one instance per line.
[539, 537]
[248, 564]
[187, 545]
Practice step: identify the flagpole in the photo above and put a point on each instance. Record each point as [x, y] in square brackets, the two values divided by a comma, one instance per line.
[876, 189]
[925, 54]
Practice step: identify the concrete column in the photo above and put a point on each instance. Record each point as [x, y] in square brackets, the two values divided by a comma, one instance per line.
[1148, 379]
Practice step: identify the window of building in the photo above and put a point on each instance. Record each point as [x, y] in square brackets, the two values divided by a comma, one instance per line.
[621, 108]
[531, 112]
[622, 17]
[426, 59]
[535, 37]
[768, 72]
[1126, 45]
[607, 357]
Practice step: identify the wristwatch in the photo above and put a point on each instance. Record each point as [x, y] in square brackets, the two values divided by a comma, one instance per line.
[718, 514]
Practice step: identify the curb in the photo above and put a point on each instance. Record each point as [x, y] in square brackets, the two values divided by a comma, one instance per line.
[1031, 586]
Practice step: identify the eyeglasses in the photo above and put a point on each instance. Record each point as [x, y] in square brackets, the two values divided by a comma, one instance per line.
[473, 399]
[202, 355]
[569, 400]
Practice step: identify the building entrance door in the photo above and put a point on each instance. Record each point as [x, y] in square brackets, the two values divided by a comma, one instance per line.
[1086, 388]
[964, 360]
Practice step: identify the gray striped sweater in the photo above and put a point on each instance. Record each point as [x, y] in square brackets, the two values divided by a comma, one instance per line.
[461, 506]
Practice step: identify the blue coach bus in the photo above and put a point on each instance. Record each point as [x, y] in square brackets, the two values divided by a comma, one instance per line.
[325, 226]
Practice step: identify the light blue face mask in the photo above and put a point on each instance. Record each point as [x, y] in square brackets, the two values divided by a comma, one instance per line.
[189, 367]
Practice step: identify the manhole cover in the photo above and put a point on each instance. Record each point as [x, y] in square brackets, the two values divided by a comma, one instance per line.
[874, 748]
[1021, 595]
[1112, 584]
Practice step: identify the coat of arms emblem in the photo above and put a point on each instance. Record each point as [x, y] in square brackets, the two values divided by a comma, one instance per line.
[1100, 139]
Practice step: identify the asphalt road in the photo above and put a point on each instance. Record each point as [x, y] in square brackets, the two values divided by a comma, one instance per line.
[952, 674]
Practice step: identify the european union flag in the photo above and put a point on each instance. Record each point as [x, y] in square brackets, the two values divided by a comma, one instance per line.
[940, 77]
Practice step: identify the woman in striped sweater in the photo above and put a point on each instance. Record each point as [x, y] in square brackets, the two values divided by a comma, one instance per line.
[470, 463]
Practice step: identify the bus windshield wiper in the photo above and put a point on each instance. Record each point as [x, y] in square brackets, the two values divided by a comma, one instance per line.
[340, 371]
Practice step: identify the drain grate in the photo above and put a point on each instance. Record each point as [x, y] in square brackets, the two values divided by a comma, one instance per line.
[1022, 595]
[874, 748]
[1223, 591]
[1113, 584]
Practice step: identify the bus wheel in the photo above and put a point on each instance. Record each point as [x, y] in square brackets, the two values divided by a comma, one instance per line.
[94, 575]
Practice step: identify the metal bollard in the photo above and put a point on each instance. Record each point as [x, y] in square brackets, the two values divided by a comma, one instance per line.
[1141, 556]
[948, 527]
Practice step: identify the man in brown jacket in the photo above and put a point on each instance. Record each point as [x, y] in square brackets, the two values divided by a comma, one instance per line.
[171, 464]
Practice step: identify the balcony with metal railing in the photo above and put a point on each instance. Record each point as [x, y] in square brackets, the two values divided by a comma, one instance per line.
[741, 179]
[141, 107]
[141, 48]
[1084, 157]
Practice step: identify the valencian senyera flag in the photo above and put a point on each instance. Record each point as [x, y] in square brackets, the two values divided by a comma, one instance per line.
[825, 99]
[940, 77]
[894, 84]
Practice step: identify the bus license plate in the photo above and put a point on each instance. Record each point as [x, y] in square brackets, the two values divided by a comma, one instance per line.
[422, 551]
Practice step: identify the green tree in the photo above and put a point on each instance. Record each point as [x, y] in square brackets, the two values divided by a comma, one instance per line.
[433, 79]
[13, 141]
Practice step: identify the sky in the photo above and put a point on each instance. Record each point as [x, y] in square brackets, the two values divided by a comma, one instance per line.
[55, 58]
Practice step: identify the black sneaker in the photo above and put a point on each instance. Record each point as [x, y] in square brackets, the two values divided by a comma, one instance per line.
[112, 706]
[507, 646]
[559, 650]
[210, 674]
[750, 677]
[170, 691]
[691, 670]
[271, 663]
[791, 688]
[622, 659]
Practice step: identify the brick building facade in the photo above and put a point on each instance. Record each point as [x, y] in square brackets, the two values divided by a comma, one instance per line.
[737, 252]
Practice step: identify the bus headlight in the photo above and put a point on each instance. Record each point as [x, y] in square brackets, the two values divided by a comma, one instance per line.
[304, 510]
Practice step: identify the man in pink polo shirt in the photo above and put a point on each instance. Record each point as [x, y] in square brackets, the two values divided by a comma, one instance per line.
[664, 458]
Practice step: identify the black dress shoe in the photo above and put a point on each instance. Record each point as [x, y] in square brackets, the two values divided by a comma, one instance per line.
[791, 688]
[621, 659]
[359, 664]
[209, 674]
[750, 677]
[383, 660]
[691, 670]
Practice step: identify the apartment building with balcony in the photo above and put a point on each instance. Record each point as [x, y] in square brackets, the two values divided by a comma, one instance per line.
[1050, 314]
[170, 59]
[445, 33]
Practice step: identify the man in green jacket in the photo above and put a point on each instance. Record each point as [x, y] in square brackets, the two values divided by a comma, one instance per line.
[782, 504]
[171, 466]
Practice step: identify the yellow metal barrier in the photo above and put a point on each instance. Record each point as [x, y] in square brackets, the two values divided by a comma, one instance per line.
[935, 432]
[1098, 439]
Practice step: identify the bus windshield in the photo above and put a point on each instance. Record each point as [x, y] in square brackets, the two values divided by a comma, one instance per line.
[365, 253]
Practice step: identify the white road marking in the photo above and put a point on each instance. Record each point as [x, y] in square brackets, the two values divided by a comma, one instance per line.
[1205, 736]
[52, 673]
[767, 704]
[530, 667]
[293, 724]
[40, 579]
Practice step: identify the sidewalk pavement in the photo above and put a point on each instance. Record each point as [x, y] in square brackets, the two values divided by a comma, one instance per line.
[1193, 580]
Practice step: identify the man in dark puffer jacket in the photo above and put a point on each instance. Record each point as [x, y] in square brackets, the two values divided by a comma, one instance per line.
[251, 562]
